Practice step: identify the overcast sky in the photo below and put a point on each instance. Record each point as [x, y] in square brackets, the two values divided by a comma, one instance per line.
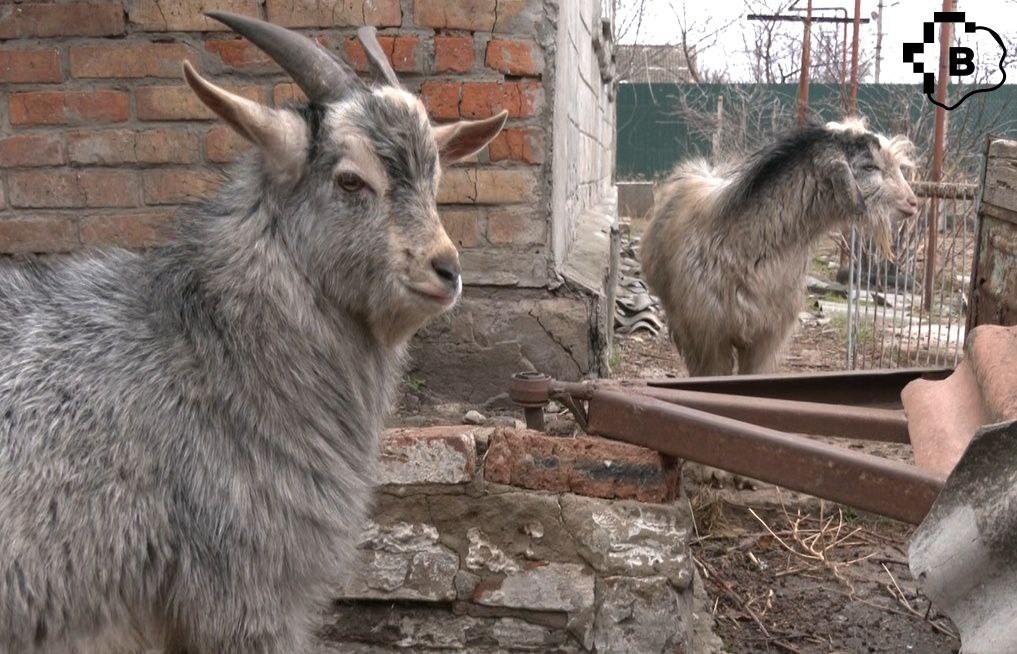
[902, 21]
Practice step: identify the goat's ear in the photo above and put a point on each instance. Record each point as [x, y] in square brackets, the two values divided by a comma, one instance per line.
[845, 187]
[279, 133]
[457, 141]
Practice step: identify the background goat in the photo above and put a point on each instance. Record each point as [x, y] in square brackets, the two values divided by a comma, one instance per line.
[188, 436]
[727, 248]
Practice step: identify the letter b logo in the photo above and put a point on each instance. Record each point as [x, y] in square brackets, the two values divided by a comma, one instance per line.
[961, 61]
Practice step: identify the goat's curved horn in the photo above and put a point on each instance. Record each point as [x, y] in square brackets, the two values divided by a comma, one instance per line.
[320, 75]
[376, 58]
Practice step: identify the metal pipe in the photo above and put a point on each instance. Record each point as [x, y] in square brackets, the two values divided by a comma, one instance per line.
[803, 78]
[797, 19]
[817, 418]
[866, 482]
[937, 156]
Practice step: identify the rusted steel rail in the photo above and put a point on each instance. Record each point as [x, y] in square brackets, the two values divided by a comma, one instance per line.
[759, 436]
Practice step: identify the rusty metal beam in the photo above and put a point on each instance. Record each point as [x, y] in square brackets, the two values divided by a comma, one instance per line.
[866, 482]
[865, 423]
[873, 388]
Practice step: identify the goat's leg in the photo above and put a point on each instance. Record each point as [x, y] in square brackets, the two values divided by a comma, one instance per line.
[759, 358]
[709, 359]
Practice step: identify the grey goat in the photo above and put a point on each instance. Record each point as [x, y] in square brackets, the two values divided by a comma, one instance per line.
[188, 437]
[727, 248]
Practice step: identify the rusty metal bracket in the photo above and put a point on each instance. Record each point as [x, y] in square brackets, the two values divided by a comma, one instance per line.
[750, 426]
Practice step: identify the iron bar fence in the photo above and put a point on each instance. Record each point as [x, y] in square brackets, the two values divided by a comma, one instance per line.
[887, 325]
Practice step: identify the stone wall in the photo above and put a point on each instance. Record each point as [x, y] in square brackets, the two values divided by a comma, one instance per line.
[489, 540]
[101, 142]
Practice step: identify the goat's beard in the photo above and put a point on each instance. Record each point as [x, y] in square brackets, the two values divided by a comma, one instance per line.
[883, 233]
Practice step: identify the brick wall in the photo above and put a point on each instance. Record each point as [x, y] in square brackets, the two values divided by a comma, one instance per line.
[101, 142]
[498, 540]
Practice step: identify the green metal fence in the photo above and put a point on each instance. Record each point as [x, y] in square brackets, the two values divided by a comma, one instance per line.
[662, 124]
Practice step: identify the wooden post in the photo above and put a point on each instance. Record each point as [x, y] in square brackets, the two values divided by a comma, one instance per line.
[937, 156]
[803, 79]
[853, 106]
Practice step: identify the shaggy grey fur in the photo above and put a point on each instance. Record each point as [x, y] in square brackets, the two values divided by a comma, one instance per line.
[188, 436]
[728, 246]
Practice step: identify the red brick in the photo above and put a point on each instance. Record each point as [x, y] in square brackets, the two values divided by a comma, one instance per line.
[453, 54]
[223, 145]
[185, 15]
[286, 92]
[347, 13]
[514, 57]
[401, 52]
[73, 188]
[241, 54]
[180, 103]
[68, 107]
[441, 99]
[130, 60]
[514, 228]
[461, 226]
[166, 146]
[585, 465]
[37, 234]
[476, 15]
[104, 148]
[518, 144]
[31, 150]
[484, 99]
[19, 21]
[134, 230]
[30, 66]
[428, 455]
[175, 186]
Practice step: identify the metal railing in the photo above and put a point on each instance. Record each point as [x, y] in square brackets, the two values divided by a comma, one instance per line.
[888, 325]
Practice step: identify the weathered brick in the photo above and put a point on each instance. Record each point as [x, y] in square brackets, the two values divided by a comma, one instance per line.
[586, 465]
[127, 59]
[487, 186]
[30, 66]
[241, 54]
[175, 186]
[185, 15]
[514, 57]
[476, 15]
[401, 52]
[461, 225]
[223, 145]
[441, 99]
[431, 455]
[286, 92]
[37, 234]
[102, 148]
[31, 150]
[166, 146]
[518, 144]
[133, 230]
[180, 103]
[18, 21]
[515, 228]
[483, 99]
[334, 13]
[73, 188]
[520, 17]
[453, 54]
[68, 107]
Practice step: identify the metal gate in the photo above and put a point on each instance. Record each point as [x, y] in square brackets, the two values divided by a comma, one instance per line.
[912, 311]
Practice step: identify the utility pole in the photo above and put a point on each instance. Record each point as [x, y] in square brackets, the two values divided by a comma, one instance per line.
[803, 79]
[853, 106]
[879, 38]
[937, 155]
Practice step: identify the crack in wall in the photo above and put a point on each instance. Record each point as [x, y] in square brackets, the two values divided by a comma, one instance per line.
[557, 341]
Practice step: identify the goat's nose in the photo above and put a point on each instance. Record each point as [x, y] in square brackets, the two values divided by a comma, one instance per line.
[447, 268]
[913, 201]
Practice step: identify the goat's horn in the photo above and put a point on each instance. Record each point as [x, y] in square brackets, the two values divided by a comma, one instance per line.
[376, 58]
[319, 74]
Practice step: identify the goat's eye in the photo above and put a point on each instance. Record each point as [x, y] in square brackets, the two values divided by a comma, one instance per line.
[350, 182]
[869, 168]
